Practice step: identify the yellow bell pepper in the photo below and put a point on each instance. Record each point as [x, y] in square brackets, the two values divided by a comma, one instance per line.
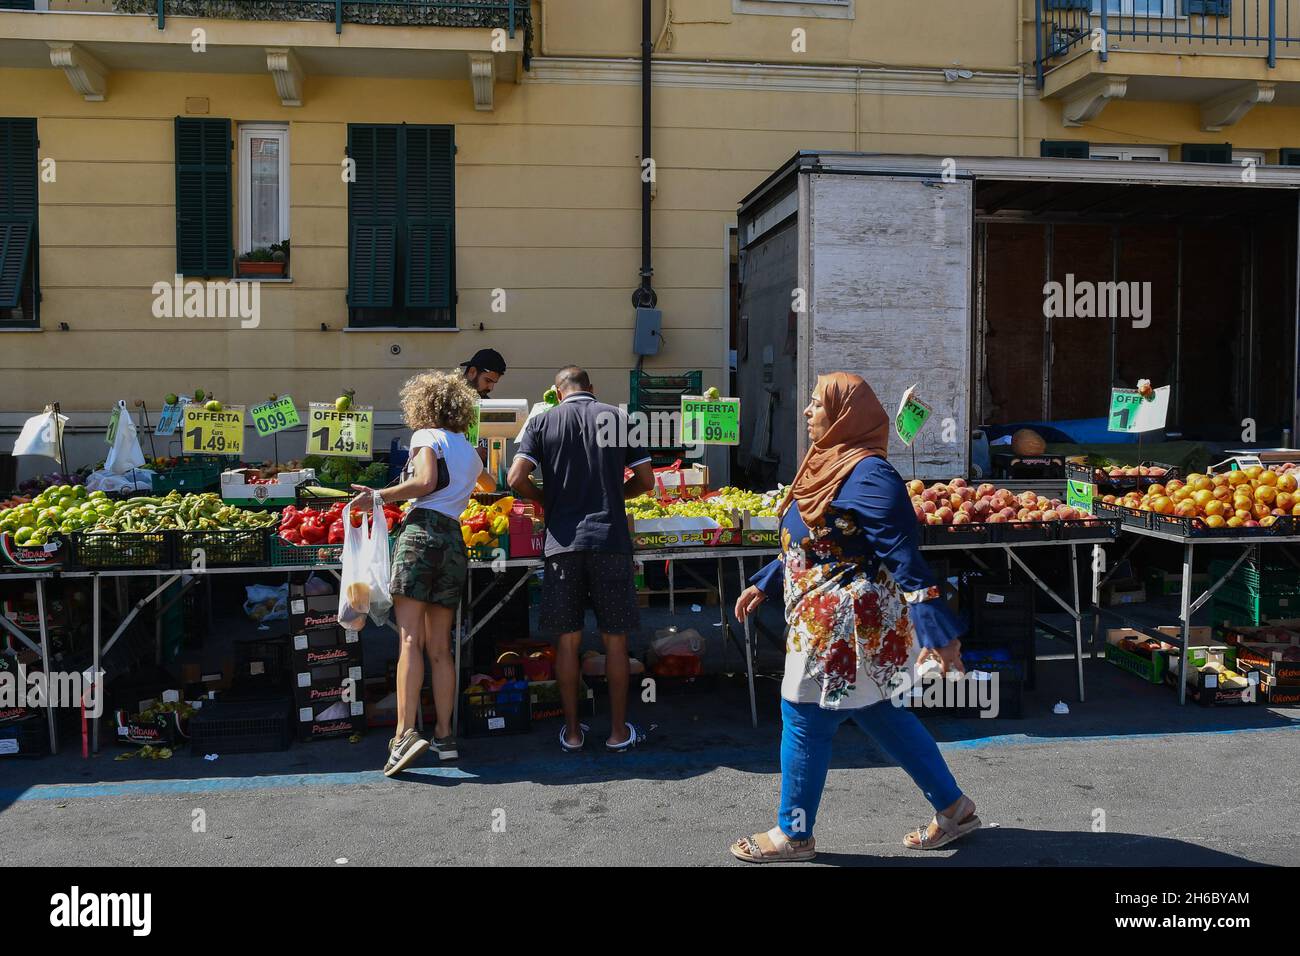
[500, 524]
[503, 505]
[482, 537]
[466, 535]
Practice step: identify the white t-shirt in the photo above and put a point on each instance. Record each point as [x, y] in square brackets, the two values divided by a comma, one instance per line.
[463, 467]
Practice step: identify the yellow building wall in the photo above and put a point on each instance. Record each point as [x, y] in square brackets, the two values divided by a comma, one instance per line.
[547, 193]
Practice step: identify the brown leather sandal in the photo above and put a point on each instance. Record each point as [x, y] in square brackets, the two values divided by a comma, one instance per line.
[962, 822]
[761, 848]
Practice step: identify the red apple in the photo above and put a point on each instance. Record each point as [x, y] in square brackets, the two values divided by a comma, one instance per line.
[945, 514]
[929, 507]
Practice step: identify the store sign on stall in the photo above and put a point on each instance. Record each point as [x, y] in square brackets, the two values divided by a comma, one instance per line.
[170, 418]
[213, 433]
[912, 416]
[341, 434]
[710, 421]
[275, 416]
[1130, 412]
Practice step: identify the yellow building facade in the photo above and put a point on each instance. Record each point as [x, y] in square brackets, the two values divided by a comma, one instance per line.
[546, 124]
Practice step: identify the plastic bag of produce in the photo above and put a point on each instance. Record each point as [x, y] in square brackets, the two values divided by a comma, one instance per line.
[266, 603]
[365, 578]
[125, 453]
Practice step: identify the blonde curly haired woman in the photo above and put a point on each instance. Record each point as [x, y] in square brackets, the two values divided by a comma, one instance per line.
[429, 560]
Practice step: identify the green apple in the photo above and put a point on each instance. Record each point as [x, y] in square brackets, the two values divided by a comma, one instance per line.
[171, 398]
[213, 406]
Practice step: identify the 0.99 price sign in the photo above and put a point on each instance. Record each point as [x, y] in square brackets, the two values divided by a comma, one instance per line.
[274, 416]
[341, 434]
[213, 433]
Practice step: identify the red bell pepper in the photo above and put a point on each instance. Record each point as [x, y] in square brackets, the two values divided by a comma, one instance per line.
[480, 522]
[290, 518]
[335, 534]
[292, 535]
[313, 530]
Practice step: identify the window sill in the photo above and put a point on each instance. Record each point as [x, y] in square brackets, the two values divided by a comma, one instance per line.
[395, 328]
[810, 9]
[282, 280]
[21, 328]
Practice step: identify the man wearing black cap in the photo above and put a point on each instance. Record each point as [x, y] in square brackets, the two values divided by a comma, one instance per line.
[484, 370]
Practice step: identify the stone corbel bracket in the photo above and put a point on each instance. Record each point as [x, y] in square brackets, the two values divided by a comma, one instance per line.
[283, 64]
[87, 75]
[1091, 98]
[1230, 107]
[482, 76]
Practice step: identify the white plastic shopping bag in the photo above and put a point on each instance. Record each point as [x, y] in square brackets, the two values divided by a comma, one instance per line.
[126, 452]
[42, 435]
[365, 577]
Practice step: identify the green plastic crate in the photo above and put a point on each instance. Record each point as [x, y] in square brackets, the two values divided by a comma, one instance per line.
[193, 475]
[1152, 670]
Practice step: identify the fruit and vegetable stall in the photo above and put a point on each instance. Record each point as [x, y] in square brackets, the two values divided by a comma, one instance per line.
[210, 515]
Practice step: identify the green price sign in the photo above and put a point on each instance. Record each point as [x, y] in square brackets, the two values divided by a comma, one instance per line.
[276, 416]
[1124, 405]
[471, 433]
[110, 436]
[708, 421]
[913, 414]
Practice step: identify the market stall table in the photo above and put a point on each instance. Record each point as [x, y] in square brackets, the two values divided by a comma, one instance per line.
[1250, 548]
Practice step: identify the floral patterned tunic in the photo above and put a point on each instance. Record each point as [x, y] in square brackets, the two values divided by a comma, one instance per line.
[859, 597]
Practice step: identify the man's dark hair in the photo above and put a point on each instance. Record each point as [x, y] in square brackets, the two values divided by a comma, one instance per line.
[571, 376]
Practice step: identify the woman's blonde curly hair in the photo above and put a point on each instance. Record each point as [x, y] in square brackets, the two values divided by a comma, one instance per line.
[438, 400]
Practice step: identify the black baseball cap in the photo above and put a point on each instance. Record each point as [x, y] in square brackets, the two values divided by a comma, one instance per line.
[487, 360]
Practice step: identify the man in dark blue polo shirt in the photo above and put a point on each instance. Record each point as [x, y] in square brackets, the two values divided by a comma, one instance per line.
[581, 448]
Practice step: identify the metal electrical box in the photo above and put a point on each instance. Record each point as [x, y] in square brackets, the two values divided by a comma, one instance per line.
[645, 338]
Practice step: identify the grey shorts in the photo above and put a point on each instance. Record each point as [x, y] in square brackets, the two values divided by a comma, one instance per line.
[577, 580]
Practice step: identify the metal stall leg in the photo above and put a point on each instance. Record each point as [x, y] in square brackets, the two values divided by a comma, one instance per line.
[1078, 617]
[455, 700]
[1185, 613]
[45, 659]
[722, 612]
[672, 595]
[749, 658]
[94, 666]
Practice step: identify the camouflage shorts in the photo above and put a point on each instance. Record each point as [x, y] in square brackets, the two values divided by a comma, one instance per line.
[429, 561]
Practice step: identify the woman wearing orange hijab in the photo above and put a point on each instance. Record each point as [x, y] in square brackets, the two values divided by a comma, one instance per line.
[858, 599]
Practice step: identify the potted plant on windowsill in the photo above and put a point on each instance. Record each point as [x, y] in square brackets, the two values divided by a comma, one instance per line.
[271, 261]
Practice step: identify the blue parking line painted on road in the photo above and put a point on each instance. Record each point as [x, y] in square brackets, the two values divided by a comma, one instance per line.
[1021, 740]
[645, 761]
[81, 791]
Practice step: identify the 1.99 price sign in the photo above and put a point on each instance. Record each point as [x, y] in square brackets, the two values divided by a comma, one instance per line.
[213, 433]
[341, 434]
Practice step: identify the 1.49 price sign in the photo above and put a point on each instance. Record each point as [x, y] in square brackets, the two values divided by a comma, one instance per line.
[341, 434]
[213, 433]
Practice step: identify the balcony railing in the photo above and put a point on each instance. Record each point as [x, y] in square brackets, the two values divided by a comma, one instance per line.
[510, 15]
[1259, 27]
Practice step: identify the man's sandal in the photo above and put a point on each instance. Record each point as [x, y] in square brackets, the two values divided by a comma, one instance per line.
[761, 848]
[569, 748]
[962, 822]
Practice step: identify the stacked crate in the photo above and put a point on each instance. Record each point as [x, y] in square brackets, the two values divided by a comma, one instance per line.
[1001, 637]
[650, 394]
[326, 668]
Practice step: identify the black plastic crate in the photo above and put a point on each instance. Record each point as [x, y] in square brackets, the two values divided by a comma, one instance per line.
[263, 662]
[973, 533]
[25, 737]
[486, 713]
[125, 550]
[1086, 528]
[1197, 528]
[1006, 532]
[1098, 475]
[242, 548]
[241, 727]
[1128, 517]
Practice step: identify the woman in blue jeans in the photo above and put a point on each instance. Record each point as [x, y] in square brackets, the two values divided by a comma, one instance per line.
[859, 598]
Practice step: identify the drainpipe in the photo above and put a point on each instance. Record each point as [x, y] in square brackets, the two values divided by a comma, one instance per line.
[1020, 84]
[644, 297]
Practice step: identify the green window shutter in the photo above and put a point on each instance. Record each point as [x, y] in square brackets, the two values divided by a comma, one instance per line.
[1288, 157]
[373, 206]
[204, 246]
[18, 206]
[1207, 8]
[1207, 153]
[430, 212]
[1064, 149]
[17, 4]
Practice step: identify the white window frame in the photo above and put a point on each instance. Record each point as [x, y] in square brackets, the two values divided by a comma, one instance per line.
[1256, 156]
[817, 9]
[262, 130]
[1158, 154]
[1169, 10]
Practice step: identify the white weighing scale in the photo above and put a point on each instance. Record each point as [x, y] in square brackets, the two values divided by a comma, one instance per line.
[501, 420]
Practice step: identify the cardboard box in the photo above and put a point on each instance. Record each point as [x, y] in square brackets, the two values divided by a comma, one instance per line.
[545, 700]
[1275, 694]
[1269, 661]
[1205, 687]
[1118, 593]
[692, 482]
[312, 613]
[236, 490]
[307, 646]
[321, 719]
[197, 672]
[328, 681]
[527, 531]
[651, 533]
[22, 613]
